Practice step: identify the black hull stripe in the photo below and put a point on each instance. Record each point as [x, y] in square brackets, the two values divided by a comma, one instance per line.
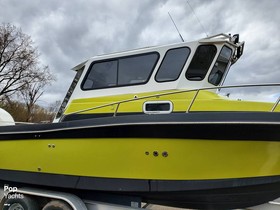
[129, 185]
[173, 131]
[200, 194]
[212, 126]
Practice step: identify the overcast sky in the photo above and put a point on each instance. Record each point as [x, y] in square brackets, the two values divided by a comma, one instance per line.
[69, 32]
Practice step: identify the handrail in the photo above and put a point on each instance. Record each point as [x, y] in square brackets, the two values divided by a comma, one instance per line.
[197, 90]
[275, 104]
[192, 102]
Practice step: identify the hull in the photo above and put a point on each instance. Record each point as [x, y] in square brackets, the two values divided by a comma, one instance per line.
[197, 160]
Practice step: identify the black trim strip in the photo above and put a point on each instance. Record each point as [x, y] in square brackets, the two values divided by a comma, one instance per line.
[209, 126]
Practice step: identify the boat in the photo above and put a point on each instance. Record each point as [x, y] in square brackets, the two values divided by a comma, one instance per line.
[149, 123]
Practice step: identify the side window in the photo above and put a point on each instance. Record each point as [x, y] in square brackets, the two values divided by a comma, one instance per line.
[120, 71]
[201, 62]
[220, 66]
[136, 69]
[172, 64]
[102, 75]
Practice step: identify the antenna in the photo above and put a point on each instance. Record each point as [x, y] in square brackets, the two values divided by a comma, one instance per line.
[197, 19]
[176, 27]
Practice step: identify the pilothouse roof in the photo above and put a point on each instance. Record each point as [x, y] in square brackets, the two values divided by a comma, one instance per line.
[218, 38]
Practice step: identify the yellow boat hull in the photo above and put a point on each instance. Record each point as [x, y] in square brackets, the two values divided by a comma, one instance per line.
[194, 160]
[134, 158]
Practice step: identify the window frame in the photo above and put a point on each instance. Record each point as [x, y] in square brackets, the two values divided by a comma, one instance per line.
[117, 59]
[195, 80]
[180, 72]
[157, 111]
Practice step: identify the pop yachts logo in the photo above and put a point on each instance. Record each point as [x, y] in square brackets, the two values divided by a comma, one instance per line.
[12, 193]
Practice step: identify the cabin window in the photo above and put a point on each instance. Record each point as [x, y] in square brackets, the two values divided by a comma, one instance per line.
[172, 64]
[102, 75]
[201, 62]
[220, 66]
[118, 72]
[157, 107]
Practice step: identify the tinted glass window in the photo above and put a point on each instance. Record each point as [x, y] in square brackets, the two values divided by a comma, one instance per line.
[102, 75]
[158, 107]
[220, 66]
[136, 70]
[172, 64]
[201, 62]
[120, 71]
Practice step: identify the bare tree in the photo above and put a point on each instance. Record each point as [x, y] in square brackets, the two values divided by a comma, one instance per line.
[18, 60]
[33, 90]
[20, 71]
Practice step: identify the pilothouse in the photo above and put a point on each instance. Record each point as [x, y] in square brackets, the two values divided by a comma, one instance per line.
[148, 71]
